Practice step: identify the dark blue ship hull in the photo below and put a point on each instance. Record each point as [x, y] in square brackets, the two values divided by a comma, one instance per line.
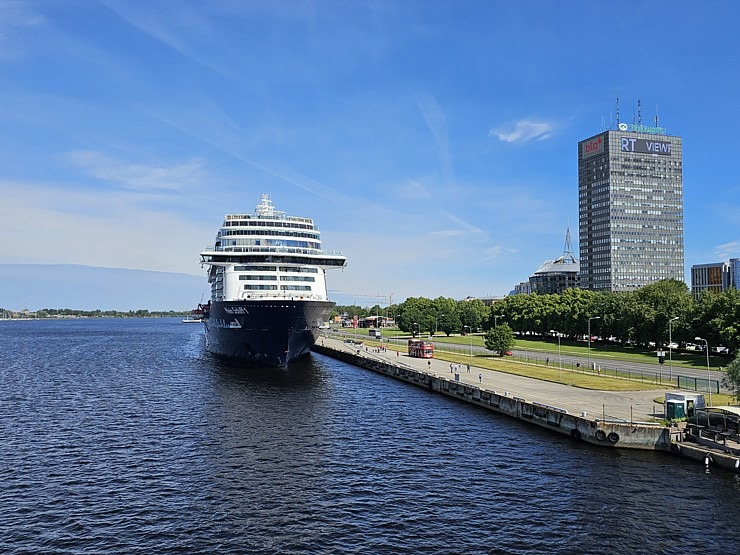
[269, 332]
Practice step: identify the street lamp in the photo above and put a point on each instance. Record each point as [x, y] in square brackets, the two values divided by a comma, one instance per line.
[589, 338]
[470, 333]
[560, 359]
[495, 319]
[418, 326]
[670, 349]
[436, 322]
[709, 372]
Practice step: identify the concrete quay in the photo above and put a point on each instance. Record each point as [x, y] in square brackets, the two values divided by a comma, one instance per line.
[601, 418]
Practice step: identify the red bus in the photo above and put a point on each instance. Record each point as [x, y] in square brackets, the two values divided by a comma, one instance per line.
[421, 349]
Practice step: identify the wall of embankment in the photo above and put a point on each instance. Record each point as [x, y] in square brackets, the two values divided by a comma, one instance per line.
[579, 428]
[614, 434]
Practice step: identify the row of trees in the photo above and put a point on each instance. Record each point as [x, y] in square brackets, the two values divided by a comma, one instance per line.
[641, 316]
[71, 312]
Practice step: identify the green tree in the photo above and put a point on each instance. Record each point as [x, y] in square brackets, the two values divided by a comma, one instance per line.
[416, 314]
[472, 313]
[500, 339]
[658, 302]
[447, 317]
[732, 377]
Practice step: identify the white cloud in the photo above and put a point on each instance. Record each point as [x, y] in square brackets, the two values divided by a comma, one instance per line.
[523, 130]
[728, 250]
[50, 224]
[139, 177]
[13, 17]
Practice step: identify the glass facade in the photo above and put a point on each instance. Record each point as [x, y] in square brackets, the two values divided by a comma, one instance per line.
[630, 200]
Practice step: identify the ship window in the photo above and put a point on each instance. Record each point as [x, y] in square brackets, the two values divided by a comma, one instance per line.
[299, 270]
[257, 278]
[251, 287]
[295, 287]
[255, 268]
[298, 278]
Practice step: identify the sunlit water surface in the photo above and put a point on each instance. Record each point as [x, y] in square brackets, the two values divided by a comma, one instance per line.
[125, 436]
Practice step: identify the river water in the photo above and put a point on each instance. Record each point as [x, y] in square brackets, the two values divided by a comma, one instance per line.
[125, 436]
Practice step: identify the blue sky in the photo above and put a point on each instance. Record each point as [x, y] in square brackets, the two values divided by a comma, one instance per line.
[433, 142]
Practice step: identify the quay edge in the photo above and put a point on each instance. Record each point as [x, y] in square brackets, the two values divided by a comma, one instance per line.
[615, 434]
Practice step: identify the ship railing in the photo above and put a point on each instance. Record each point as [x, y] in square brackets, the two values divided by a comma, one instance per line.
[280, 250]
[282, 296]
[276, 216]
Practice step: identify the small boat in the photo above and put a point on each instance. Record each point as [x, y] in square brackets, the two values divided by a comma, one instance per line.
[196, 316]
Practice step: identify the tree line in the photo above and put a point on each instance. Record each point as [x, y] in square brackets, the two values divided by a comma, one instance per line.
[649, 316]
[75, 313]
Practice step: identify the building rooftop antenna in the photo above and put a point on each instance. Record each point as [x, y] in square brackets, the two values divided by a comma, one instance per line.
[568, 249]
[639, 113]
[617, 111]
[656, 116]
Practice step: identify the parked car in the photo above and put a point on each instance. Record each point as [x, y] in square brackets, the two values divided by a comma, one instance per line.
[721, 350]
[673, 345]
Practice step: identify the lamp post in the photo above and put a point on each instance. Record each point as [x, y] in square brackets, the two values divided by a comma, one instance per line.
[589, 338]
[436, 322]
[560, 359]
[470, 333]
[495, 319]
[418, 326]
[670, 348]
[709, 372]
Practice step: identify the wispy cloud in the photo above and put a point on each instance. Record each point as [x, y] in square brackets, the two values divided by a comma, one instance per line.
[138, 177]
[96, 228]
[728, 250]
[15, 15]
[523, 130]
[437, 123]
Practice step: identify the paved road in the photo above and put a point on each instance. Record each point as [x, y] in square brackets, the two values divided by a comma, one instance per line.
[635, 406]
[651, 371]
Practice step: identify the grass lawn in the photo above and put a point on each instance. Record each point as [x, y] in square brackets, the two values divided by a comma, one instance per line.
[539, 372]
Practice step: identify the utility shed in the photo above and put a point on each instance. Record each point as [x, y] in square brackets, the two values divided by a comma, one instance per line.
[682, 405]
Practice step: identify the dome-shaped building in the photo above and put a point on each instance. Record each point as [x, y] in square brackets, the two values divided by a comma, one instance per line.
[555, 276]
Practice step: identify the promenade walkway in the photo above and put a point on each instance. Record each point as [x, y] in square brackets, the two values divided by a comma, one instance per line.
[637, 406]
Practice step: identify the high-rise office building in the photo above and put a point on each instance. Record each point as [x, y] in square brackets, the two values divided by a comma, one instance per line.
[630, 199]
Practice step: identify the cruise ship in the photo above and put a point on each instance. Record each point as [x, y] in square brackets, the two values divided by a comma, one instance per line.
[268, 286]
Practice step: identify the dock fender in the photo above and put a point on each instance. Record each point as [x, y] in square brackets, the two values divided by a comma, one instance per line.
[675, 448]
[600, 435]
[575, 435]
[613, 437]
[708, 460]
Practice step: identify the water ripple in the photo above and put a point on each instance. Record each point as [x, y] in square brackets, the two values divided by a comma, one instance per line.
[125, 436]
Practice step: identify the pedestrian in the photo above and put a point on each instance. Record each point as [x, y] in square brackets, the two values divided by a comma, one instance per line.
[429, 364]
[547, 361]
[468, 368]
[451, 367]
[480, 378]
